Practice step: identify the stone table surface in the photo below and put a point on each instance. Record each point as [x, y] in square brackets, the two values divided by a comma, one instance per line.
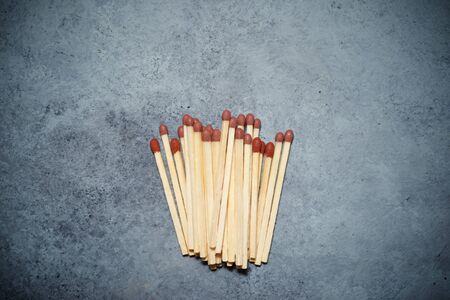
[365, 85]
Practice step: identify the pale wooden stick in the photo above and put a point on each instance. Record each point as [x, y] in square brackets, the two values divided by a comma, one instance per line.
[261, 156]
[155, 148]
[164, 132]
[218, 185]
[256, 127]
[189, 158]
[180, 166]
[246, 194]
[256, 147]
[288, 137]
[239, 176]
[249, 122]
[231, 214]
[226, 186]
[269, 197]
[268, 156]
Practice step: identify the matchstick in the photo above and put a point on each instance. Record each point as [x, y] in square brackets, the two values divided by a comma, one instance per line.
[268, 156]
[269, 197]
[155, 148]
[164, 132]
[246, 194]
[215, 151]
[256, 127]
[188, 142]
[288, 137]
[249, 122]
[241, 121]
[231, 215]
[256, 147]
[180, 168]
[226, 185]
[219, 180]
[261, 156]
[238, 185]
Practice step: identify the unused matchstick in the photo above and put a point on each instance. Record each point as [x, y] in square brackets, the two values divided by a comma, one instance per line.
[269, 197]
[241, 121]
[256, 127]
[261, 156]
[249, 122]
[155, 148]
[288, 137]
[231, 215]
[182, 147]
[164, 132]
[268, 156]
[189, 158]
[256, 147]
[215, 150]
[246, 194]
[238, 186]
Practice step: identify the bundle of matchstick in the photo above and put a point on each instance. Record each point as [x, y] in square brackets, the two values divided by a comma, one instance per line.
[227, 185]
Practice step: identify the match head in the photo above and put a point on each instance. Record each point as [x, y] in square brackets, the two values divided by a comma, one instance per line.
[226, 115]
[241, 120]
[154, 145]
[206, 135]
[289, 136]
[198, 126]
[279, 137]
[270, 149]
[233, 122]
[180, 131]
[216, 135]
[256, 145]
[187, 120]
[174, 145]
[250, 119]
[257, 123]
[239, 134]
[263, 147]
[163, 129]
[209, 127]
[247, 139]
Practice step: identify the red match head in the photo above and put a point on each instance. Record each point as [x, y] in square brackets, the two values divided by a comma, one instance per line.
[209, 127]
[154, 145]
[256, 145]
[239, 134]
[174, 145]
[279, 137]
[250, 119]
[257, 123]
[180, 132]
[289, 136]
[226, 115]
[163, 129]
[270, 149]
[187, 120]
[198, 126]
[247, 139]
[241, 120]
[233, 122]
[263, 147]
[206, 135]
[216, 135]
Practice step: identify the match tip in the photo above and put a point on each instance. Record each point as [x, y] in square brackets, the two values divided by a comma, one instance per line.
[198, 126]
[206, 135]
[180, 132]
[257, 123]
[209, 127]
[263, 147]
[163, 129]
[247, 139]
[241, 120]
[216, 134]
[226, 115]
[233, 122]
[154, 145]
[270, 149]
[187, 120]
[174, 145]
[239, 134]
[250, 119]
[289, 135]
[256, 145]
[279, 137]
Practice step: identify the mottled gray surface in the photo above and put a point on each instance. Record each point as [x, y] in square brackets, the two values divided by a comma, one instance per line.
[365, 212]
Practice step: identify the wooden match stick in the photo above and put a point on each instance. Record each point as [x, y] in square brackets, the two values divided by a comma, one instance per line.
[256, 127]
[288, 137]
[256, 147]
[238, 184]
[231, 214]
[246, 194]
[215, 151]
[180, 164]
[249, 121]
[269, 197]
[226, 185]
[164, 132]
[240, 121]
[261, 156]
[189, 158]
[155, 148]
[268, 156]
[219, 180]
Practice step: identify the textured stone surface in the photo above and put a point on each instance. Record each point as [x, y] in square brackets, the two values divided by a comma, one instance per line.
[365, 212]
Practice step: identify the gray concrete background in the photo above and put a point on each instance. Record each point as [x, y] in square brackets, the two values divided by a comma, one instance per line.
[364, 85]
